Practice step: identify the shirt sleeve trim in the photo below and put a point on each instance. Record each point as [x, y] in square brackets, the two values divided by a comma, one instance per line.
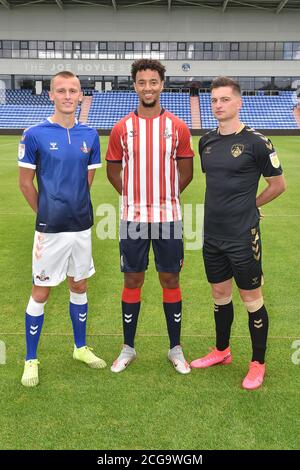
[95, 165]
[185, 157]
[27, 165]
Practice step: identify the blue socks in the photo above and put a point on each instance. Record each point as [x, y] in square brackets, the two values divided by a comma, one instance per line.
[34, 319]
[78, 314]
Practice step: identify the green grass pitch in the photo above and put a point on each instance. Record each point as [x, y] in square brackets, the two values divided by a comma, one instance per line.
[149, 406]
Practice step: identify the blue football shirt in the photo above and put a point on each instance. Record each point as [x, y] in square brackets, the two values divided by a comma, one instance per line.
[61, 158]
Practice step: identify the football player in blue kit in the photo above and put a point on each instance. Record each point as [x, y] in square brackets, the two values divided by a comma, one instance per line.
[63, 155]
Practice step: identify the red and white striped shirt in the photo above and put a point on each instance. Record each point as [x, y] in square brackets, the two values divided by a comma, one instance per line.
[148, 148]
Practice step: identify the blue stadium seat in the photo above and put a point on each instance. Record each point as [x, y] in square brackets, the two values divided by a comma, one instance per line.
[264, 112]
[108, 108]
[20, 109]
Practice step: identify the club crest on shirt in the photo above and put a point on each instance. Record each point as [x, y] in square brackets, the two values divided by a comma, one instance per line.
[207, 150]
[237, 150]
[85, 148]
[42, 277]
[167, 134]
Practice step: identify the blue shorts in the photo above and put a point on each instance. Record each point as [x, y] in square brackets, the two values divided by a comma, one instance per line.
[167, 243]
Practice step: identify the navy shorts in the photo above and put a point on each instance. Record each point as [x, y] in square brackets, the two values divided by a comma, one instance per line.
[135, 241]
[240, 259]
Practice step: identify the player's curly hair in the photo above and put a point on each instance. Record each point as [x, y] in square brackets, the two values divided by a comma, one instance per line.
[148, 64]
[225, 81]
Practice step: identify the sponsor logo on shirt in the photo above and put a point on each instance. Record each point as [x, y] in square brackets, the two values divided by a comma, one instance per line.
[274, 160]
[237, 150]
[85, 148]
[21, 153]
[53, 146]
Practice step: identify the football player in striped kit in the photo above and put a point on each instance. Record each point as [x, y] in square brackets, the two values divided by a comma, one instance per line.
[150, 162]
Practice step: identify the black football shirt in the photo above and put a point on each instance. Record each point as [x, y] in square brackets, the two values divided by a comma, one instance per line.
[233, 165]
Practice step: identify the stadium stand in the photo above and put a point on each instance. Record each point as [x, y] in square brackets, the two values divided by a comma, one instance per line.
[26, 97]
[22, 116]
[108, 108]
[20, 109]
[261, 112]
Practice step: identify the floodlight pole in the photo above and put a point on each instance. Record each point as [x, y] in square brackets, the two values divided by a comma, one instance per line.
[5, 4]
[225, 5]
[281, 6]
[60, 4]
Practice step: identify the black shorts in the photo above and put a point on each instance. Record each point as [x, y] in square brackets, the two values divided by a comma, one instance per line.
[241, 259]
[167, 243]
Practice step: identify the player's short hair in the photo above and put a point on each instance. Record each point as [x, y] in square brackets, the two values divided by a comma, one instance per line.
[225, 81]
[148, 64]
[63, 74]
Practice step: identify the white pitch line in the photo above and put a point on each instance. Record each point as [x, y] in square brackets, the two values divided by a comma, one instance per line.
[278, 215]
[154, 335]
[264, 218]
[9, 144]
[15, 213]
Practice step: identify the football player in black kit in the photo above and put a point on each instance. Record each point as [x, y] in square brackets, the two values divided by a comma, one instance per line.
[233, 158]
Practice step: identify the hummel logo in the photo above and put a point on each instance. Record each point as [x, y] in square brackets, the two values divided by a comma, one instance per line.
[177, 317]
[82, 317]
[258, 323]
[132, 133]
[33, 330]
[128, 318]
[53, 146]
